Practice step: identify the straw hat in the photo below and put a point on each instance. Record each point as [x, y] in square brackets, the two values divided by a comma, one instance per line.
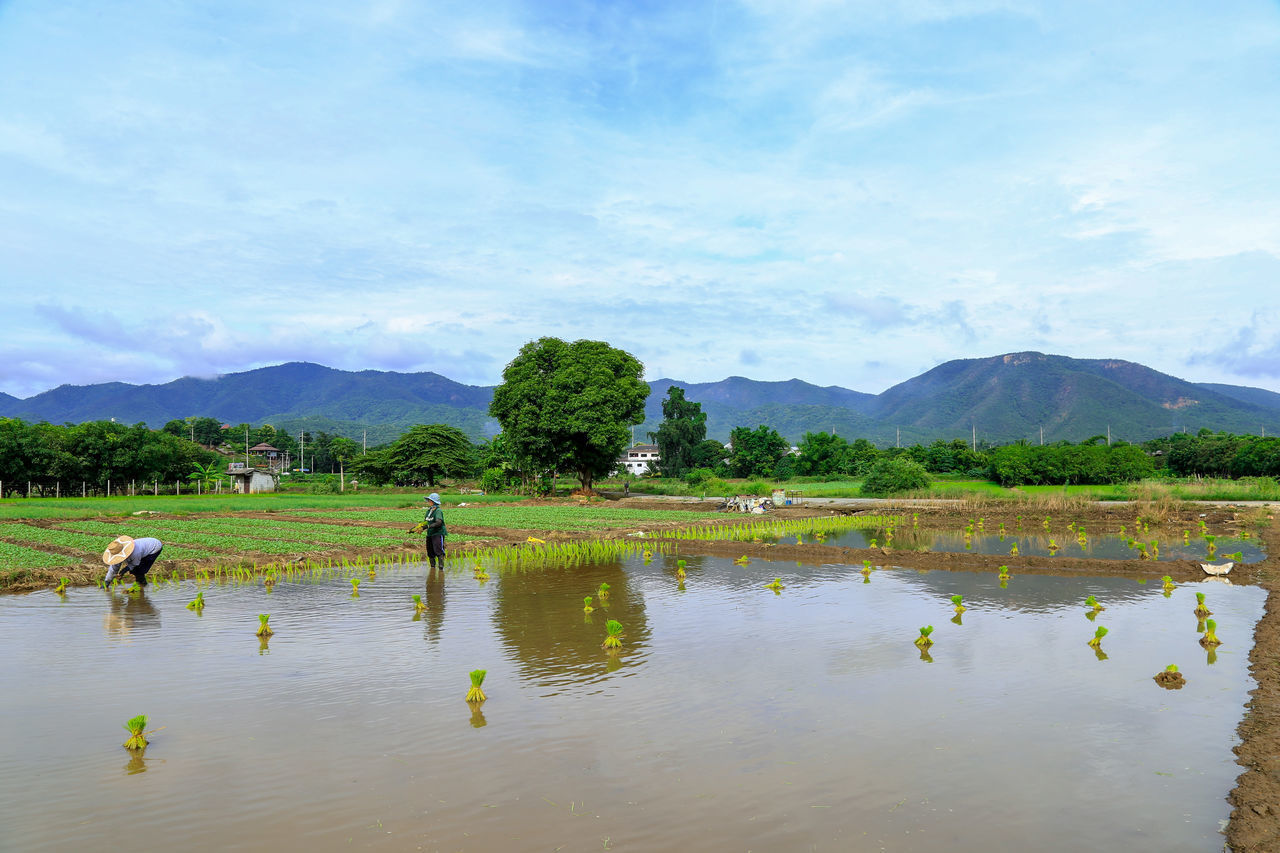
[118, 551]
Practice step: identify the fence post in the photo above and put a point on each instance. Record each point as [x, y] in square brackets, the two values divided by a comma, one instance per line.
[177, 487]
[28, 488]
[84, 491]
[57, 490]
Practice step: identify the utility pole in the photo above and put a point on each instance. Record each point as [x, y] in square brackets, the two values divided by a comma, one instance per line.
[364, 443]
[246, 445]
[975, 438]
[1042, 436]
[899, 436]
[302, 451]
[1108, 435]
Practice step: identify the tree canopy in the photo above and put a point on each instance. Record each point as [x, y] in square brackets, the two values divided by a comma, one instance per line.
[756, 452]
[683, 427]
[425, 454]
[569, 405]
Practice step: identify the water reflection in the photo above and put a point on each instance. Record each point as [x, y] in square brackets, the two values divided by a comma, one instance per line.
[129, 612]
[434, 598]
[539, 618]
[137, 762]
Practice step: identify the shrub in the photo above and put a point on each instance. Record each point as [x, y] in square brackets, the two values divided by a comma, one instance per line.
[493, 480]
[890, 476]
[698, 476]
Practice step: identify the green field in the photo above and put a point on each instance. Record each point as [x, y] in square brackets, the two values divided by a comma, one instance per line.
[566, 518]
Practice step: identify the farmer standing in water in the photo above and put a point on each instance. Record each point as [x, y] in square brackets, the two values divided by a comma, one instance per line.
[126, 554]
[433, 525]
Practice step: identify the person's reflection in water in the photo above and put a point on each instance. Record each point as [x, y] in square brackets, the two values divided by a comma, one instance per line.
[435, 603]
[129, 611]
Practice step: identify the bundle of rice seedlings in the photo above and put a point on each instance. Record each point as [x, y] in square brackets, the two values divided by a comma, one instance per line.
[1004, 573]
[1013, 551]
[742, 561]
[137, 737]
[956, 600]
[264, 630]
[475, 694]
[1167, 581]
[603, 592]
[776, 586]
[613, 629]
[586, 604]
[355, 587]
[418, 605]
[680, 574]
[923, 640]
[1201, 610]
[1210, 637]
[61, 588]
[269, 580]
[866, 567]
[197, 603]
[1092, 602]
[1097, 637]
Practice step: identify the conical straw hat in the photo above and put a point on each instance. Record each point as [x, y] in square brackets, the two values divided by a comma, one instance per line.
[118, 551]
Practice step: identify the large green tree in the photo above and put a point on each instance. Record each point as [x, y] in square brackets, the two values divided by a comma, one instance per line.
[569, 406]
[756, 452]
[683, 426]
[429, 452]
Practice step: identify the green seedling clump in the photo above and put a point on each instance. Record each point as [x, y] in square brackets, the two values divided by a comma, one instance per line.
[680, 573]
[923, 640]
[1004, 573]
[197, 603]
[61, 588]
[1201, 610]
[1092, 602]
[1097, 637]
[475, 694]
[137, 737]
[603, 592]
[418, 605]
[355, 587]
[866, 567]
[1171, 678]
[957, 601]
[613, 638]
[264, 630]
[586, 604]
[776, 586]
[1167, 581]
[1210, 637]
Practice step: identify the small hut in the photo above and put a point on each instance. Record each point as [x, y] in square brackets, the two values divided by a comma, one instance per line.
[248, 481]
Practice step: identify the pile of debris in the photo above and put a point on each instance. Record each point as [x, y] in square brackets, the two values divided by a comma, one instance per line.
[746, 503]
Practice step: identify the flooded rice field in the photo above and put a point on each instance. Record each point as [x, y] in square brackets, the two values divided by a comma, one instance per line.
[1098, 547]
[734, 718]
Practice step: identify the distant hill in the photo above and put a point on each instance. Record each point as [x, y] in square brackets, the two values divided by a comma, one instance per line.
[1006, 398]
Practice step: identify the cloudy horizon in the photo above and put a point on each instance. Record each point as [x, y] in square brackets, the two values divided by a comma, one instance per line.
[848, 193]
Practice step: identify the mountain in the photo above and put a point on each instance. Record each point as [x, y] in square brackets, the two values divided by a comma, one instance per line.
[1003, 398]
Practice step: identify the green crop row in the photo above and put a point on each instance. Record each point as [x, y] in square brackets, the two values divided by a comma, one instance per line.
[21, 557]
[208, 531]
[91, 544]
[589, 517]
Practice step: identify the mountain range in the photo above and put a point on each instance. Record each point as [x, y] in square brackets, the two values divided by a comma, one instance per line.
[1001, 398]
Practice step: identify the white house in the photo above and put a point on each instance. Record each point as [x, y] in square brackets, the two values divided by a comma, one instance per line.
[639, 460]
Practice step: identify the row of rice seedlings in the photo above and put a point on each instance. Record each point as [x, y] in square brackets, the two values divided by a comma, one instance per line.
[751, 531]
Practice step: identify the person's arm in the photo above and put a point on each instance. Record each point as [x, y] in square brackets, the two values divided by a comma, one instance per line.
[112, 571]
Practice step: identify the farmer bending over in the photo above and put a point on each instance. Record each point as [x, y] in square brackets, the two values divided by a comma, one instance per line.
[126, 554]
[433, 525]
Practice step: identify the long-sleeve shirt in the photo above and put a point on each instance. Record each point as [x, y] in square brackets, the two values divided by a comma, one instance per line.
[144, 547]
[434, 521]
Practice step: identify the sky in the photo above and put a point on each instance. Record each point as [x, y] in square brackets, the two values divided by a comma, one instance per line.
[848, 193]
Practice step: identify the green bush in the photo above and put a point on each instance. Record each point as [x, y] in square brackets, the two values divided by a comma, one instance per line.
[698, 476]
[759, 488]
[493, 480]
[891, 476]
[327, 485]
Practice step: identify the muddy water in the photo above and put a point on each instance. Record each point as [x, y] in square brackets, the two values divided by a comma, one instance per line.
[1033, 545]
[734, 718]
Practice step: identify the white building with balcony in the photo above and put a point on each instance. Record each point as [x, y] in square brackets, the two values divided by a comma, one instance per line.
[639, 460]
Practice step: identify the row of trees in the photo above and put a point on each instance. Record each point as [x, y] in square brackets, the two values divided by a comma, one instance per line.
[95, 453]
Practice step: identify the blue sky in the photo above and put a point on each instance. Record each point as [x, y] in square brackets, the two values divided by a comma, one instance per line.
[847, 193]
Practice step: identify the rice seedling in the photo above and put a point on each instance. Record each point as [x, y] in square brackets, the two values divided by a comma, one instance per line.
[1170, 678]
[1235, 555]
[603, 592]
[1092, 602]
[1053, 547]
[355, 587]
[980, 524]
[613, 634]
[61, 588]
[923, 640]
[1097, 637]
[915, 519]
[776, 586]
[1202, 609]
[1046, 522]
[957, 601]
[1155, 549]
[1013, 552]
[264, 630]
[1004, 573]
[137, 737]
[373, 572]
[866, 567]
[476, 694]
[1210, 637]
[680, 573]
[197, 603]
[742, 561]
[1167, 581]
[479, 573]
[1186, 537]
[1210, 544]
[648, 555]
[586, 604]
[418, 605]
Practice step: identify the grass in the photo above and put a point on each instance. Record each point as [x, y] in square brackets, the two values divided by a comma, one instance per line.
[568, 517]
[12, 508]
